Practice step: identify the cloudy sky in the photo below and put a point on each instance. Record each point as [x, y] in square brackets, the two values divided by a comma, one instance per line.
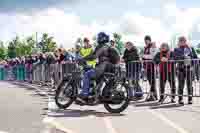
[69, 19]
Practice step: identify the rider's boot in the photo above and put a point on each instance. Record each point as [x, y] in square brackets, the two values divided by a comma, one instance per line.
[82, 98]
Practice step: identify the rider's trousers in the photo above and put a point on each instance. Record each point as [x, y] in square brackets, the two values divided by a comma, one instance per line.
[86, 81]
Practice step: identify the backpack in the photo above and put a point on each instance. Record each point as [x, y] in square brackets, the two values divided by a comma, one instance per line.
[113, 55]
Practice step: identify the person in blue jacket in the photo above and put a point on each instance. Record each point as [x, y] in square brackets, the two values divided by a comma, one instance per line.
[184, 56]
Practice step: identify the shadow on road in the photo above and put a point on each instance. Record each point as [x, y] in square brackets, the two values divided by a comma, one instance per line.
[81, 113]
[145, 104]
[162, 106]
[188, 110]
[29, 88]
[22, 85]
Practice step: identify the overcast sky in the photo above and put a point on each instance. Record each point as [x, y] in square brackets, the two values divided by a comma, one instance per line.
[68, 19]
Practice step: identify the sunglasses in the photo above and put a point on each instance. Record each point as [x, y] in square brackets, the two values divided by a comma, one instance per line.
[182, 41]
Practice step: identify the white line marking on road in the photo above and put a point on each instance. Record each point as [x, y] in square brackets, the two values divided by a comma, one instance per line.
[51, 104]
[51, 122]
[109, 126]
[168, 122]
[3, 132]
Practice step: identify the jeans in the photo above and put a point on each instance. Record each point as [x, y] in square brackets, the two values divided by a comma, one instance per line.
[86, 81]
[95, 74]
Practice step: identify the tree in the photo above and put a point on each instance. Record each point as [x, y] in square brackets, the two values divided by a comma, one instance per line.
[2, 51]
[11, 50]
[47, 44]
[30, 45]
[20, 47]
[14, 48]
[198, 51]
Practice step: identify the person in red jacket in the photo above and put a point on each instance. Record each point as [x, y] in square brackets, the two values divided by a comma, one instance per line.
[149, 53]
[164, 59]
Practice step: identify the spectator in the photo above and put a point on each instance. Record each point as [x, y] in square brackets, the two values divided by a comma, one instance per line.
[131, 58]
[113, 45]
[167, 70]
[149, 53]
[28, 65]
[184, 53]
[77, 52]
[61, 56]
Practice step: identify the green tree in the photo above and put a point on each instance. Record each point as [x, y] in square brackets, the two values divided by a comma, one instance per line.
[12, 49]
[30, 45]
[20, 47]
[47, 43]
[2, 50]
[198, 51]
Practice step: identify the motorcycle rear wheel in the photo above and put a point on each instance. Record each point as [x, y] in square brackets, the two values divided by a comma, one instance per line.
[124, 104]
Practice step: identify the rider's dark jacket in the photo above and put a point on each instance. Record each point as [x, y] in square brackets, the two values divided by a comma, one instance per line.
[106, 56]
[104, 53]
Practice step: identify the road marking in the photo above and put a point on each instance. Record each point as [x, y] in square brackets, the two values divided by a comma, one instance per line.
[167, 121]
[51, 104]
[51, 122]
[3, 132]
[109, 125]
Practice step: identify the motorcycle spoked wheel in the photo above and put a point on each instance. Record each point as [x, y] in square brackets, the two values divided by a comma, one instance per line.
[65, 95]
[123, 89]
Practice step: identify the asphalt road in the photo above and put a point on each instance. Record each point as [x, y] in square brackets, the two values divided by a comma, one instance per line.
[30, 112]
[140, 117]
[22, 110]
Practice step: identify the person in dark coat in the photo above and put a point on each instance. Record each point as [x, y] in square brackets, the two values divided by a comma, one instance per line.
[164, 59]
[131, 58]
[184, 55]
[133, 66]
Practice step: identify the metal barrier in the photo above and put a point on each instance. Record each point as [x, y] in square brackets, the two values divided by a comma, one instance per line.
[142, 74]
[186, 75]
[166, 79]
[51, 74]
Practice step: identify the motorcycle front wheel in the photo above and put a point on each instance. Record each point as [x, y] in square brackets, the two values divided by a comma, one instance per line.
[65, 95]
[122, 89]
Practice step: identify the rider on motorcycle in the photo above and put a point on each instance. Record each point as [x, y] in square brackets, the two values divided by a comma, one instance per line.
[107, 57]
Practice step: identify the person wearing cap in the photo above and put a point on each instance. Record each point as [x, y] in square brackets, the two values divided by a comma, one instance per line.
[150, 51]
[86, 51]
[184, 55]
[164, 59]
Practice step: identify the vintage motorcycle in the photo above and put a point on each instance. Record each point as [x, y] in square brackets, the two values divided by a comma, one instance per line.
[111, 90]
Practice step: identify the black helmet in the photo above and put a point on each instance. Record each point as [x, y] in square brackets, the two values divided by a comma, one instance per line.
[102, 38]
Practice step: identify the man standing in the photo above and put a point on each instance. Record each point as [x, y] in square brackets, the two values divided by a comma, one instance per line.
[133, 69]
[184, 54]
[149, 53]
